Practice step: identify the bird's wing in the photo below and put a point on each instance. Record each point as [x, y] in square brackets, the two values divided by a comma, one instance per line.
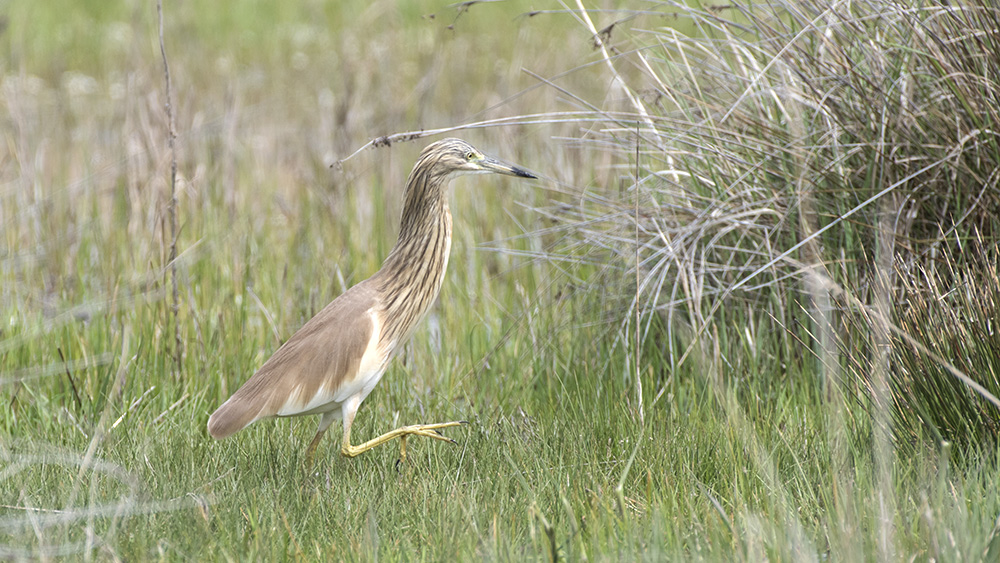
[312, 369]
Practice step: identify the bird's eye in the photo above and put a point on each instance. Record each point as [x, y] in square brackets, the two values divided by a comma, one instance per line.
[470, 155]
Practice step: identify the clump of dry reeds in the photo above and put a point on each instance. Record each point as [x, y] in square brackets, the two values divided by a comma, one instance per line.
[793, 165]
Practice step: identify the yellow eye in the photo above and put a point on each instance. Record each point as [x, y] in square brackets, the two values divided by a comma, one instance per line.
[470, 155]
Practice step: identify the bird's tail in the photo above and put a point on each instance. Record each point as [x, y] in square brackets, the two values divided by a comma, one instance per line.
[234, 415]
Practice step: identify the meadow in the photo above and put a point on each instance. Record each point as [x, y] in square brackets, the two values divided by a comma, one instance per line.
[748, 312]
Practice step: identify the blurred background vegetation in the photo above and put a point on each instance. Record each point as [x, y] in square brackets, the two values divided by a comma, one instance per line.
[749, 312]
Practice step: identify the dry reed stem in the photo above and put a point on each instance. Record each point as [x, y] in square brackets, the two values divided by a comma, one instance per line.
[172, 207]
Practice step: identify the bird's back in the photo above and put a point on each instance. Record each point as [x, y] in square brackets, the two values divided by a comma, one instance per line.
[313, 370]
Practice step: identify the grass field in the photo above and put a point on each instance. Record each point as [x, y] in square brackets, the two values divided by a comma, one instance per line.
[710, 331]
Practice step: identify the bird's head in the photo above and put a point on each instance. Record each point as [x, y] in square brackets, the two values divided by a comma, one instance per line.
[454, 156]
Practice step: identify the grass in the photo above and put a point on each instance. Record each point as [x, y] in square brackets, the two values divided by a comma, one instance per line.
[755, 433]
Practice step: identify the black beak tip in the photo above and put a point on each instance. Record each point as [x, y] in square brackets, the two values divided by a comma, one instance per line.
[522, 173]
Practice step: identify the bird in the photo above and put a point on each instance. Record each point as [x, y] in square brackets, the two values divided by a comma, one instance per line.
[331, 364]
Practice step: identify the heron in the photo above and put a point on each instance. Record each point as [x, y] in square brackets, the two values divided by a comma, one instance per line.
[331, 364]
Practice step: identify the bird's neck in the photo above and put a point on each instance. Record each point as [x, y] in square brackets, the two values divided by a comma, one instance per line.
[412, 274]
[422, 247]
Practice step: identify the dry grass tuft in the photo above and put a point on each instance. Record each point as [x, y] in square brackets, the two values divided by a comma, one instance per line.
[774, 146]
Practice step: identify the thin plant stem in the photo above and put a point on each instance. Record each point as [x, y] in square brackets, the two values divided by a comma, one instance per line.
[172, 207]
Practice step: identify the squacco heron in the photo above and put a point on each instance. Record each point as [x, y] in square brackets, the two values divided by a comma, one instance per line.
[334, 361]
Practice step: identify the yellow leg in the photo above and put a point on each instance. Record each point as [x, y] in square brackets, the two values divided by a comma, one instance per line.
[324, 423]
[311, 450]
[426, 430]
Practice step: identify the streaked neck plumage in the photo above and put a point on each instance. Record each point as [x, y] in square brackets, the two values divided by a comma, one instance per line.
[411, 276]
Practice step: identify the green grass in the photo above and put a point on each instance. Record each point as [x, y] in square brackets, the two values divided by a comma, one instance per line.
[735, 453]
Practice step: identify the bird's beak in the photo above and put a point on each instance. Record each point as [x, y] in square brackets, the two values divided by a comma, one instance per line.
[490, 164]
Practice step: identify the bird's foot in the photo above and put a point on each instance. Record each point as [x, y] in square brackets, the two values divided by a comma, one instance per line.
[427, 431]
[430, 430]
